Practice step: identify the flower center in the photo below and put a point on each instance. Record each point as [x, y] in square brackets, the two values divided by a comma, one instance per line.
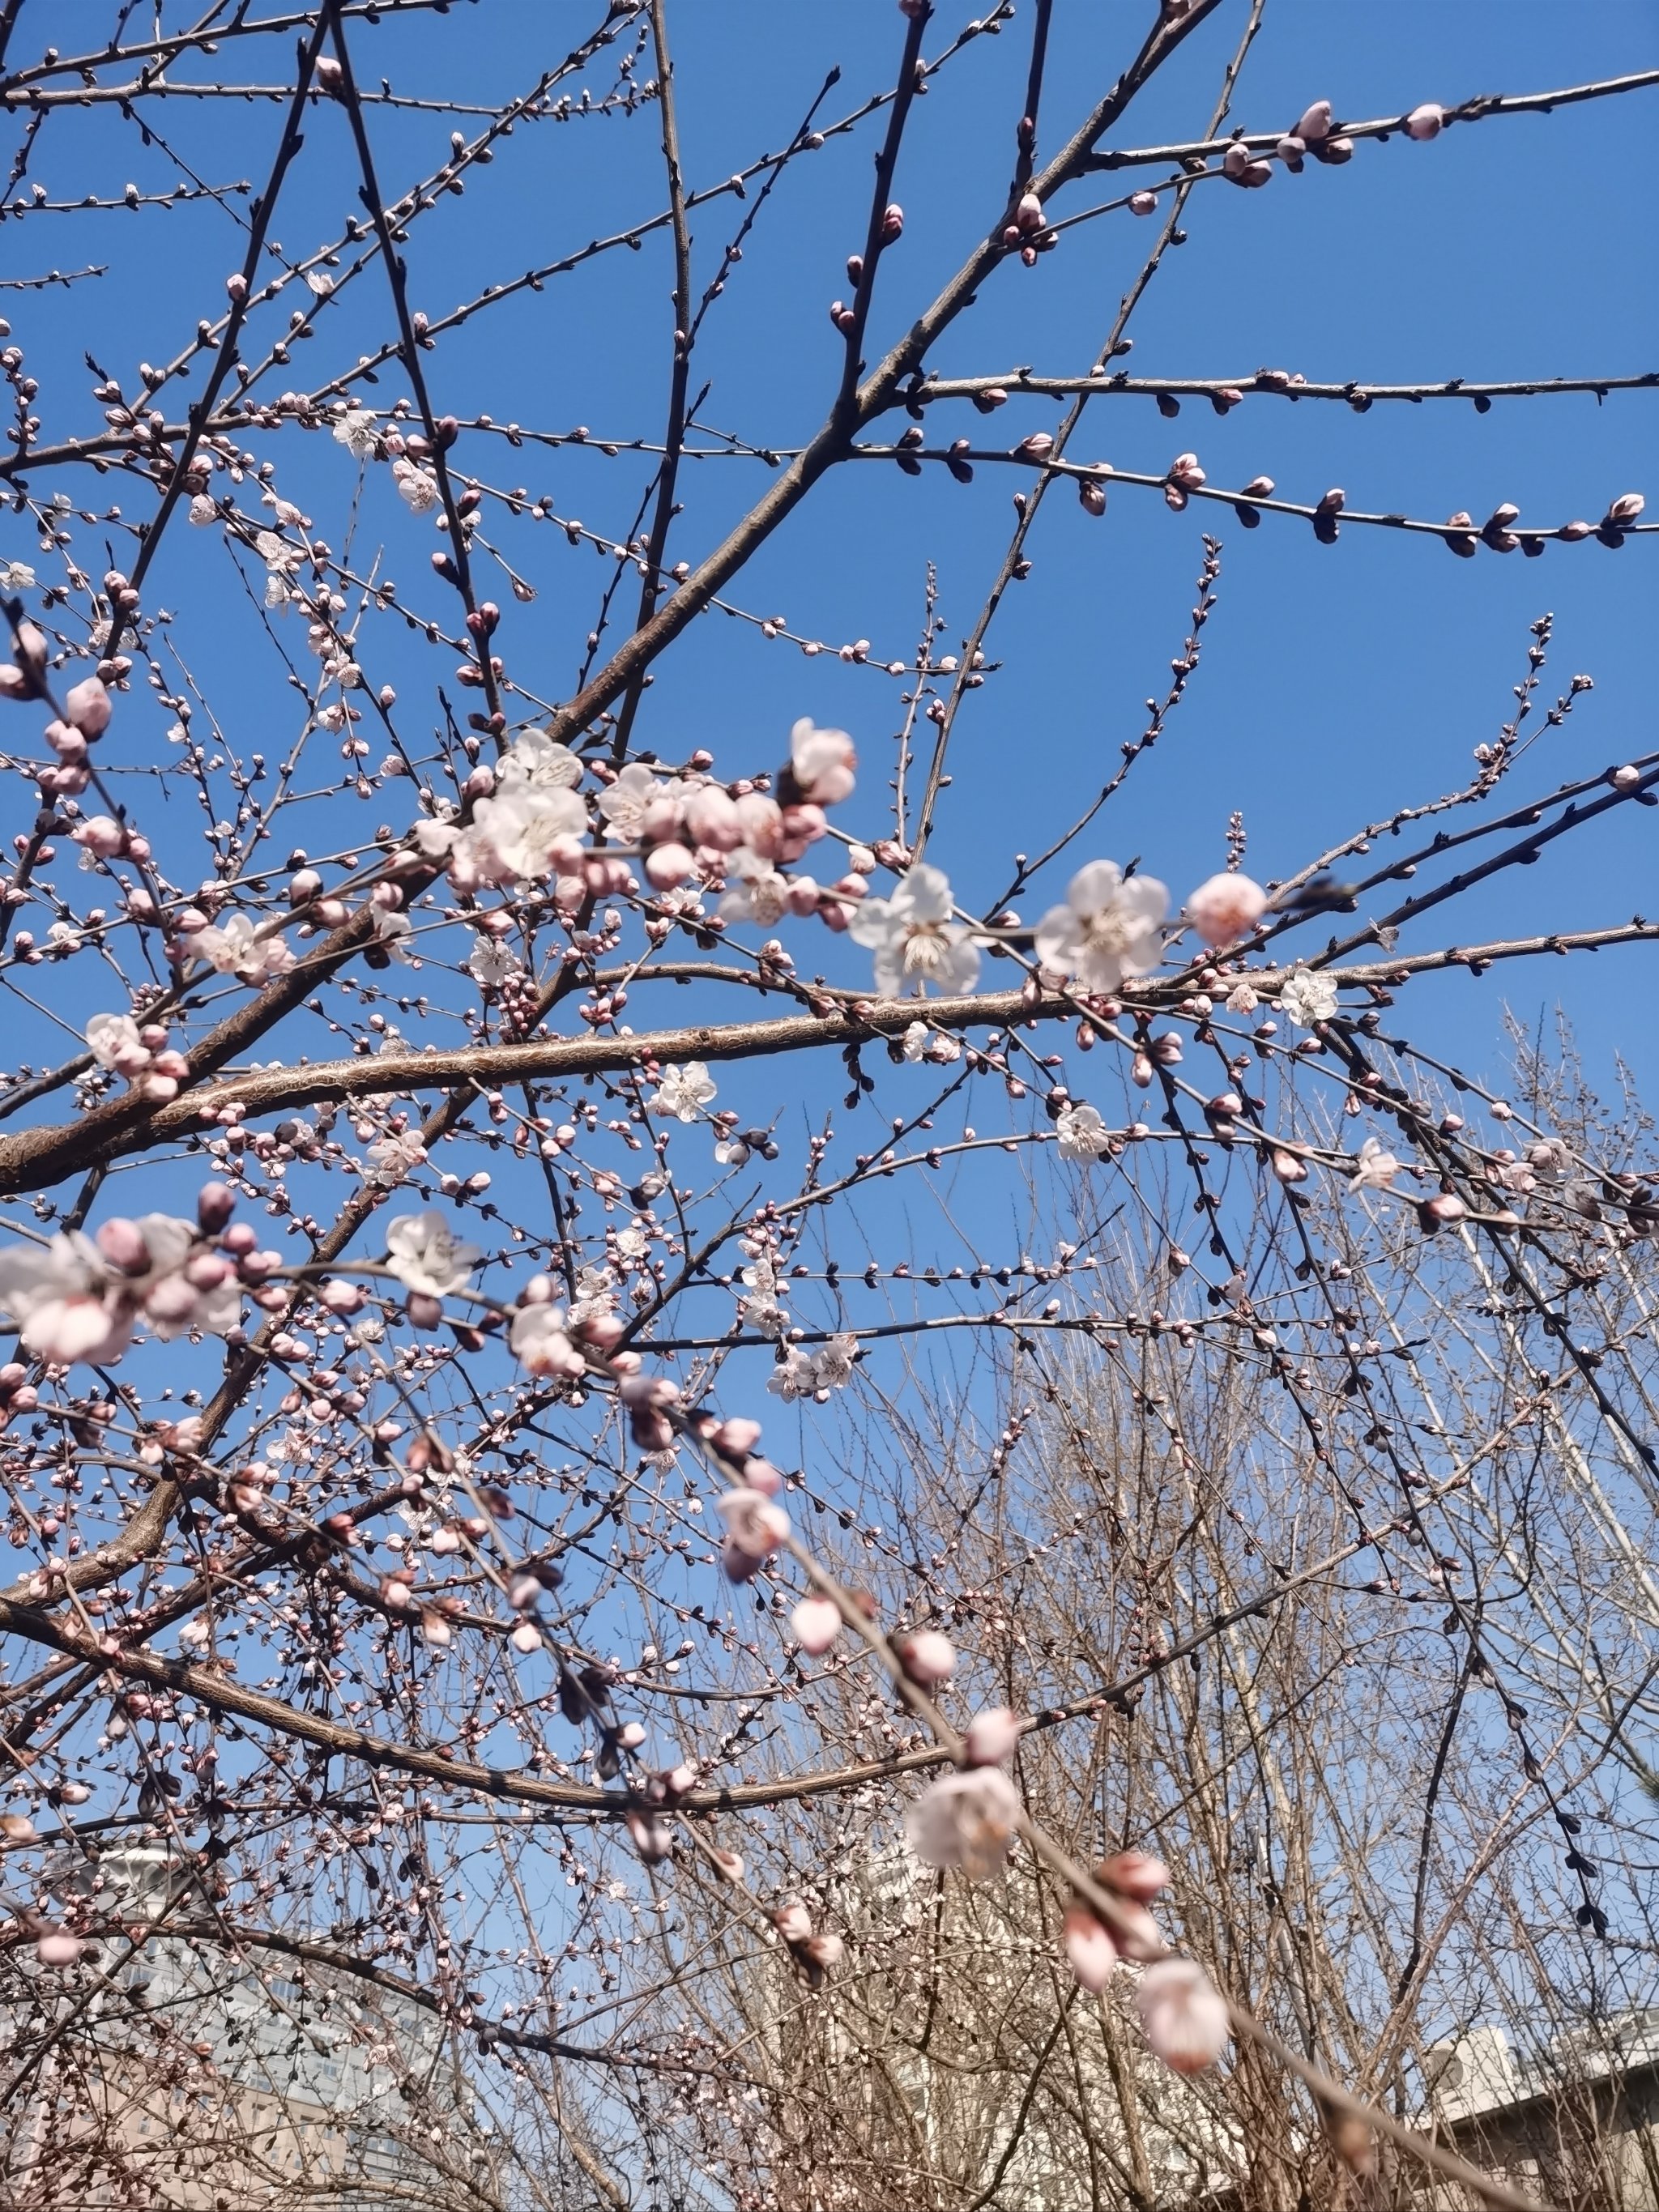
[924, 948]
[1110, 930]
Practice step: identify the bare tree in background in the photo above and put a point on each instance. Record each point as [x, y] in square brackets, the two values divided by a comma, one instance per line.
[1223, 1429]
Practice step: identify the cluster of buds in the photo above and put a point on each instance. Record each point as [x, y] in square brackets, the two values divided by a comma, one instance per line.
[80, 1298]
[1182, 477]
[1183, 2016]
[18, 1393]
[1028, 230]
[1314, 132]
[816, 1954]
[86, 717]
[142, 1054]
[545, 1340]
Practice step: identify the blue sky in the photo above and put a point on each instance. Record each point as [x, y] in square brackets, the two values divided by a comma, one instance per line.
[1336, 682]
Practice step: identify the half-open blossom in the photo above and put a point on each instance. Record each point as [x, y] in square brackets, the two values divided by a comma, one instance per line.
[821, 763]
[235, 948]
[1184, 2017]
[755, 1527]
[683, 1092]
[1107, 930]
[1081, 1133]
[114, 1042]
[1225, 907]
[62, 1297]
[1308, 998]
[964, 1821]
[515, 835]
[540, 1342]
[917, 947]
[424, 1254]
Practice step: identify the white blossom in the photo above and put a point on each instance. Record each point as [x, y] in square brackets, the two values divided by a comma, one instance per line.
[60, 1295]
[391, 1158]
[513, 835]
[16, 577]
[1307, 997]
[1107, 931]
[235, 948]
[822, 762]
[424, 1254]
[491, 963]
[760, 893]
[417, 489]
[536, 760]
[915, 944]
[355, 431]
[1377, 1167]
[636, 792]
[114, 1042]
[964, 1821]
[539, 1338]
[683, 1092]
[914, 1043]
[1081, 1133]
[793, 1376]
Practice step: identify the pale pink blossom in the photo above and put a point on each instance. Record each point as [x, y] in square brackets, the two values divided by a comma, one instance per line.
[755, 1527]
[964, 1821]
[425, 1255]
[540, 1342]
[1185, 2019]
[1225, 907]
[1375, 1168]
[928, 1656]
[683, 1092]
[1081, 1133]
[1133, 1873]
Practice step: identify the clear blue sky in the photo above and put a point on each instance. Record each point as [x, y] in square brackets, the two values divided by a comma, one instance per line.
[1335, 682]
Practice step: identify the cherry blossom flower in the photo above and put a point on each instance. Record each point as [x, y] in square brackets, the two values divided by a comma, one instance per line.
[355, 431]
[1081, 1133]
[821, 762]
[1184, 2017]
[540, 1342]
[914, 1043]
[964, 1821]
[1107, 929]
[61, 1296]
[760, 893]
[815, 1624]
[114, 1042]
[539, 761]
[178, 1284]
[835, 1360]
[637, 800]
[425, 1255]
[237, 949]
[762, 1308]
[391, 1158]
[1225, 907]
[683, 1092]
[491, 963]
[793, 1376]
[1377, 1169]
[416, 487]
[1308, 998]
[514, 836]
[16, 577]
[916, 945]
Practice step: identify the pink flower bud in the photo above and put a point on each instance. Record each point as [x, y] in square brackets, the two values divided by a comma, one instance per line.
[1315, 123]
[736, 1438]
[87, 706]
[1143, 202]
[1573, 531]
[927, 1658]
[1089, 1951]
[58, 1949]
[1184, 2018]
[760, 1474]
[1427, 121]
[992, 1736]
[101, 836]
[122, 1243]
[1028, 215]
[792, 1922]
[1091, 496]
[527, 1637]
[712, 819]
[236, 286]
[665, 866]
[1133, 1873]
[1439, 1213]
[1626, 508]
[815, 1624]
[892, 223]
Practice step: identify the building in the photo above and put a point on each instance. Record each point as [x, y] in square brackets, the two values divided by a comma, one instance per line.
[1576, 2118]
